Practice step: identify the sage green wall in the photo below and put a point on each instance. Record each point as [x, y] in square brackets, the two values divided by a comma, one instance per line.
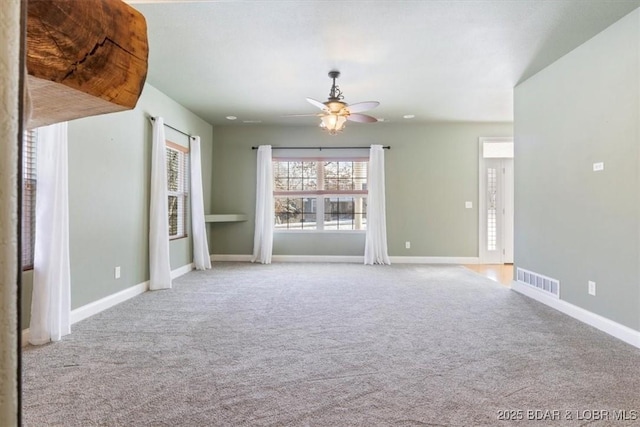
[109, 179]
[431, 170]
[571, 223]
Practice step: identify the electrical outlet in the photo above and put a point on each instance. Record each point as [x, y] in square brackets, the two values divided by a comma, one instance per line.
[407, 245]
[592, 288]
[116, 272]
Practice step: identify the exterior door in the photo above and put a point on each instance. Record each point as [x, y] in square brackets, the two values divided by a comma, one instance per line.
[491, 215]
[496, 204]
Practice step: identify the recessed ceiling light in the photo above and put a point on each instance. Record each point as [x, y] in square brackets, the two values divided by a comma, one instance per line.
[409, 116]
[231, 117]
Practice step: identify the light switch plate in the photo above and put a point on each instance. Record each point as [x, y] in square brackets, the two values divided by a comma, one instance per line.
[468, 205]
[599, 166]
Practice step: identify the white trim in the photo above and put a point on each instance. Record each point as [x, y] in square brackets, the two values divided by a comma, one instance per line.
[353, 259]
[508, 204]
[109, 301]
[231, 257]
[290, 258]
[315, 231]
[25, 338]
[181, 271]
[433, 260]
[318, 258]
[624, 333]
[505, 140]
[482, 190]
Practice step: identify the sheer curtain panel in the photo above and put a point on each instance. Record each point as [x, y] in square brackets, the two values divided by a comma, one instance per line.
[375, 249]
[159, 266]
[263, 237]
[201, 257]
[51, 298]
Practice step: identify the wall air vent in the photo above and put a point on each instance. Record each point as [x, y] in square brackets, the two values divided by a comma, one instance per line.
[538, 281]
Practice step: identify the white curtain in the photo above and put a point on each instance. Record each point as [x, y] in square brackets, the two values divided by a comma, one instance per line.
[159, 266]
[201, 257]
[51, 298]
[263, 237]
[375, 249]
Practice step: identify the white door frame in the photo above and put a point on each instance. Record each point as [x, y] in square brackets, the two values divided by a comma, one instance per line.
[505, 232]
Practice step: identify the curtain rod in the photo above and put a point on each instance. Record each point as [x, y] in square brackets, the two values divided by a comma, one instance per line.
[386, 147]
[153, 119]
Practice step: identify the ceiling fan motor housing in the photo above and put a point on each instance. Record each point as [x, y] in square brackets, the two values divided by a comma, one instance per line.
[335, 106]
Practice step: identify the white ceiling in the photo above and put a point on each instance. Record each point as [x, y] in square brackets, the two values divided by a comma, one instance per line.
[439, 60]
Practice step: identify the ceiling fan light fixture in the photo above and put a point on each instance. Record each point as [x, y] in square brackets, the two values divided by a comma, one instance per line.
[333, 123]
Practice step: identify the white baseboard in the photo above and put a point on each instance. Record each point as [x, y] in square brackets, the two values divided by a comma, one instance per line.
[109, 301]
[96, 307]
[181, 271]
[318, 258]
[290, 258]
[624, 333]
[231, 257]
[433, 260]
[352, 259]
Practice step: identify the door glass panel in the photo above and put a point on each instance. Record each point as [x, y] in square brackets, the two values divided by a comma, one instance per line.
[492, 230]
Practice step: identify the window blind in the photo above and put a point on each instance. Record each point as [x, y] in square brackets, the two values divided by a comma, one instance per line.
[28, 197]
[177, 189]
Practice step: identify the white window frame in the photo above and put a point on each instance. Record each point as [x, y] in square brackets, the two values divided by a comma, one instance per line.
[183, 190]
[320, 194]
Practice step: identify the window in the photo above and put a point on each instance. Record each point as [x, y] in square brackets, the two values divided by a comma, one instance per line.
[492, 209]
[28, 197]
[320, 194]
[177, 189]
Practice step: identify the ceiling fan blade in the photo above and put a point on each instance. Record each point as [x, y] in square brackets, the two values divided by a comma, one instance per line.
[303, 115]
[361, 118]
[315, 103]
[363, 106]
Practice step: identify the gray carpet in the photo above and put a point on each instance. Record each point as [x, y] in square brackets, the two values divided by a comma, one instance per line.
[330, 345]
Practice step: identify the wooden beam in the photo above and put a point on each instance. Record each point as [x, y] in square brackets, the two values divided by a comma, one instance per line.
[84, 58]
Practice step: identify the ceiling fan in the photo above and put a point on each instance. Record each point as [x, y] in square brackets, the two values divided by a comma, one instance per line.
[336, 112]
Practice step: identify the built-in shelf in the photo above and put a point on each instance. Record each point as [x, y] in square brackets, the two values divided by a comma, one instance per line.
[225, 218]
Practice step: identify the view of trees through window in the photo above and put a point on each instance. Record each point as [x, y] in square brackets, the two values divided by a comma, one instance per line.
[320, 194]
